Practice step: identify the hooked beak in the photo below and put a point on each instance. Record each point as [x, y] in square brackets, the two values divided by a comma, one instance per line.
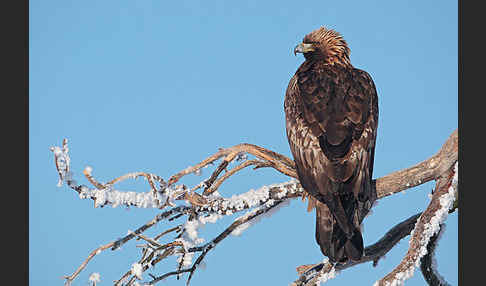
[303, 48]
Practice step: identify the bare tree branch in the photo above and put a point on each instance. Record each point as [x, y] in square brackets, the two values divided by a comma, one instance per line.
[261, 201]
[426, 226]
[214, 184]
[282, 163]
[428, 170]
[427, 262]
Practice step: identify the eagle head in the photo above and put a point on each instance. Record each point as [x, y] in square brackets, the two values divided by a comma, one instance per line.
[324, 45]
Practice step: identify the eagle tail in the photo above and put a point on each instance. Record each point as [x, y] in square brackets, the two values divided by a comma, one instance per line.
[354, 247]
[333, 241]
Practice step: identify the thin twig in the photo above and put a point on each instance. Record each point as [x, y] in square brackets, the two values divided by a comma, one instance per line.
[282, 163]
[148, 239]
[69, 279]
[152, 222]
[177, 228]
[87, 173]
[212, 187]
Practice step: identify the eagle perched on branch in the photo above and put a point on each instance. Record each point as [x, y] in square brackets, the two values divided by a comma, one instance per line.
[331, 111]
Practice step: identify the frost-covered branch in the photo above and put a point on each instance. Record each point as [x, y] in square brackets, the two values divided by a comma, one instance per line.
[426, 227]
[167, 193]
[239, 225]
[209, 206]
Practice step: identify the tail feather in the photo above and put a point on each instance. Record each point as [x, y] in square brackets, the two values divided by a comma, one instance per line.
[333, 241]
[354, 247]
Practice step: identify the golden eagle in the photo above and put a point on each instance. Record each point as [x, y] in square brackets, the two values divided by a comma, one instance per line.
[331, 112]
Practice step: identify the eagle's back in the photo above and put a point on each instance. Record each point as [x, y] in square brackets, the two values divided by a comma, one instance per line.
[331, 120]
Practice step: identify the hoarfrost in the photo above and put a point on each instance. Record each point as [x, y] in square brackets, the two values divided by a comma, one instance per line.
[254, 198]
[239, 229]
[94, 277]
[327, 276]
[88, 170]
[186, 259]
[114, 197]
[62, 160]
[137, 270]
[190, 238]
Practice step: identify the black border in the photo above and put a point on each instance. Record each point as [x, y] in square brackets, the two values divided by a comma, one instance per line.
[471, 144]
[15, 144]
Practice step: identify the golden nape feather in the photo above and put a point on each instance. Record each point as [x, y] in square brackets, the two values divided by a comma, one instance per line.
[330, 46]
[331, 111]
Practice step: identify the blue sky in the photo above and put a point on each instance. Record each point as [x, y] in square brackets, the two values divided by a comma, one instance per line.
[157, 86]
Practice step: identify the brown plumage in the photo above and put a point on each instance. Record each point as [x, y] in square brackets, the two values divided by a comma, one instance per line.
[331, 111]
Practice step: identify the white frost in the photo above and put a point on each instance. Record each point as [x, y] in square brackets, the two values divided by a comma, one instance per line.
[116, 198]
[190, 237]
[187, 259]
[94, 277]
[62, 163]
[242, 227]
[254, 198]
[137, 270]
[88, 170]
[326, 276]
